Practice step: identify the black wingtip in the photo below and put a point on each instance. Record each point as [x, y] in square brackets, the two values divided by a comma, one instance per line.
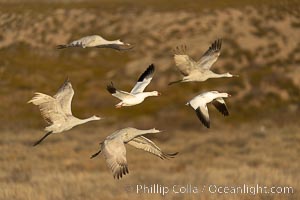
[216, 46]
[151, 66]
[121, 172]
[148, 72]
[222, 108]
[225, 113]
[201, 117]
[111, 89]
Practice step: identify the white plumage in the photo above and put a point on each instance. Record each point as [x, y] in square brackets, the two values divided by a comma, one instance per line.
[137, 94]
[199, 104]
[114, 151]
[57, 112]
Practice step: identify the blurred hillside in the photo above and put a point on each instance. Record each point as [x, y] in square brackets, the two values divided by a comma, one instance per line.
[260, 43]
[257, 144]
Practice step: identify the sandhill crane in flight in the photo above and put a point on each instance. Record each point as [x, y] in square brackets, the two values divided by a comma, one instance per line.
[57, 112]
[200, 70]
[114, 151]
[98, 42]
[199, 104]
[136, 95]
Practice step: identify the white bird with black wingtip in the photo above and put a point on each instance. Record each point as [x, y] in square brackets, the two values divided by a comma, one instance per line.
[199, 104]
[57, 112]
[114, 151]
[137, 94]
[98, 42]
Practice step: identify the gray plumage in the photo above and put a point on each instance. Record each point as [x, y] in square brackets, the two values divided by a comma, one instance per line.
[56, 110]
[200, 70]
[97, 42]
[114, 151]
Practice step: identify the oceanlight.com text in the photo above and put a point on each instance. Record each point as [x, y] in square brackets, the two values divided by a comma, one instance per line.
[211, 189]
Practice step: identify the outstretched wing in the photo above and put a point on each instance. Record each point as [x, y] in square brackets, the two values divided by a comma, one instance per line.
[202, 114]
[211, 55]
[115, 156]
[184, 64]
[50, 109]
[145, 144]
[220, 105]
[144, 80]
[118, 93]
[64, 96]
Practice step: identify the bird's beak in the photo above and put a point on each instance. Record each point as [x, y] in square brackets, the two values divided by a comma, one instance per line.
[235, 75]
[127, 46]
[187, 104]
[229, 95]
[158, 93]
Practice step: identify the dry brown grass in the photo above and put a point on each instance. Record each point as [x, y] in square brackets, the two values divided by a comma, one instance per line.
[60, 167]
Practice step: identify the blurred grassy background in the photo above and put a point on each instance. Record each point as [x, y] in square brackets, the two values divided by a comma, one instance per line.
[257, 143]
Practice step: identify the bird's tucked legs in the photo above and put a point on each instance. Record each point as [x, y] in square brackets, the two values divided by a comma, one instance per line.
[96, 154]
[40, 140]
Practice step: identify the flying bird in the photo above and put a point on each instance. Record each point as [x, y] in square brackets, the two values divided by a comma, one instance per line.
[57, 112]
[114, 151]
[200, 70]
[137, 94]
[199, 104]
[98, 42]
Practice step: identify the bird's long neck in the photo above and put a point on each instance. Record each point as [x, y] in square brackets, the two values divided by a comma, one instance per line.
[148, 94]
[83, 121]
[213, 96]
[110, 41]
[223, 95]
[214, 75]
[137, 133]
[143, 132]
[116, 42]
